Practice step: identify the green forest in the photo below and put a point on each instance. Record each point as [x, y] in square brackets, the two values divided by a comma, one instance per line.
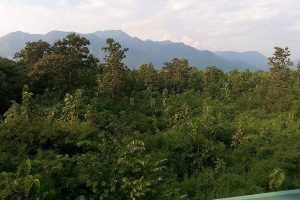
[76, 127]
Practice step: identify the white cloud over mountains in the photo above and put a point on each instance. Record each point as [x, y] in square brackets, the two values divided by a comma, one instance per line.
[205, 24]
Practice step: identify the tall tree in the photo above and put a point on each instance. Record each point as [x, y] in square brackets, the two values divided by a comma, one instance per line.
[280, 59]
[280, 63]
[114, 69]
[68, 65]
[33, 52]
[214, 82]
[281, 78]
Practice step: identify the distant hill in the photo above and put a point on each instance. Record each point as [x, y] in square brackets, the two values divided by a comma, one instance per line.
[246, 59]
[143, 51]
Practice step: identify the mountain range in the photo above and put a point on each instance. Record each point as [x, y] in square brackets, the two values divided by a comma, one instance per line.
[144, 51]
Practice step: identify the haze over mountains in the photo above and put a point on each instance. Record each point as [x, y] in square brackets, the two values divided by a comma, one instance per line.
[144, 51]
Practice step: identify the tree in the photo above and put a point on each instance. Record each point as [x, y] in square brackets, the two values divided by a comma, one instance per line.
[276, 179]
[280, 59]
[75, 47]
[214, 80]
[148, 75]
[12, 79]
[280, 63]
[176, 73]
[20, 185]
[67, 66]
[177, 69]
[114, 69]
[33, 52]
[298, 67]
[281, 78]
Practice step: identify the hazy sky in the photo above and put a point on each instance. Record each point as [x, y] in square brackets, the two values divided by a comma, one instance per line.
[238, 25]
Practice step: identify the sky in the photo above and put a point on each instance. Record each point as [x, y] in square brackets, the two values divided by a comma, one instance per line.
[237, 25]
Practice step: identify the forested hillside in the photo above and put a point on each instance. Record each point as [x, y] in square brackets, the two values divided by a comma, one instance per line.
[74, 127]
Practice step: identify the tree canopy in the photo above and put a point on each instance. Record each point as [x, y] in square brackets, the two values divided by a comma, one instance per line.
[72, 127]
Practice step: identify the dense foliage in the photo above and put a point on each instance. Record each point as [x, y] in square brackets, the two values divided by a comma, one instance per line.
[76, 128]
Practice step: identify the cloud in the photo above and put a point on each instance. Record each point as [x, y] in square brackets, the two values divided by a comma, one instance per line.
[205, 24]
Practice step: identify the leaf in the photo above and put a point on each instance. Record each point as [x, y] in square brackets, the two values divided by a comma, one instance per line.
[28, 182]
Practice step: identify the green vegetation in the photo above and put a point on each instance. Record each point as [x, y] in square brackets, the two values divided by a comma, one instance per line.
[76, 128]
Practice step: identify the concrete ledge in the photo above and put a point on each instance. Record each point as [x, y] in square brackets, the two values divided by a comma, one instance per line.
[284, 195]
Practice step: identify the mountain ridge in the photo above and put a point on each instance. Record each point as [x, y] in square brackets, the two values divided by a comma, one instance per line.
[143, 51]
